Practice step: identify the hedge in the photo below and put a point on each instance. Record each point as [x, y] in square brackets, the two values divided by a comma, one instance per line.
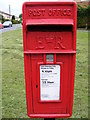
[15, 21]
[83, 17]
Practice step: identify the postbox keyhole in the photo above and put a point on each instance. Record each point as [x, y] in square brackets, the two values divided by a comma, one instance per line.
[36, 86]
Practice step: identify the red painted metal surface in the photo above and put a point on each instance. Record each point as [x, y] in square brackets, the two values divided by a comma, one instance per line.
[49, 28]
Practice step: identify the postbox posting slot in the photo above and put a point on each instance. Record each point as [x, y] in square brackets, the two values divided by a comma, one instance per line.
[49, 28]
[49, 24]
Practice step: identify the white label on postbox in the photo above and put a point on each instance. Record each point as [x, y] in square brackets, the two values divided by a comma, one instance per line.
[49, 82]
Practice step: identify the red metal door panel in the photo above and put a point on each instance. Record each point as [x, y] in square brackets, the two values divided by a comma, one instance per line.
[57, 107]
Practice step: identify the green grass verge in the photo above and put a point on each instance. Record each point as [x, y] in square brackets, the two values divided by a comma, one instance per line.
[13, 85]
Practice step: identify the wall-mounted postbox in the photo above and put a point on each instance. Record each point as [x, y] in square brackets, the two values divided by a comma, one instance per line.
[49, 40]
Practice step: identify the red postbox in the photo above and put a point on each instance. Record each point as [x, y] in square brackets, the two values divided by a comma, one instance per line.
[49, 40]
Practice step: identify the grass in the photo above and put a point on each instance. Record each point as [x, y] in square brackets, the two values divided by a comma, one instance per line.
[13, 86]
[13, 93]
[80, 109]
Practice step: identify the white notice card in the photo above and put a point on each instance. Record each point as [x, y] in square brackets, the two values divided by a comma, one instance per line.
[49, 82]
